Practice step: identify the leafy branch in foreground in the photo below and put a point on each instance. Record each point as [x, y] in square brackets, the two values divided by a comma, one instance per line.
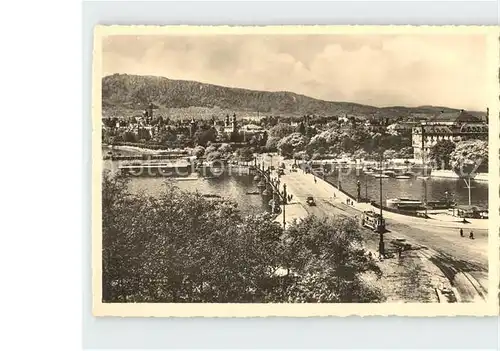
[182, 247]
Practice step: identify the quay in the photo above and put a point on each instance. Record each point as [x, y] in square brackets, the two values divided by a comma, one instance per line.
[435, 240]
[165, 169]
[143, 157]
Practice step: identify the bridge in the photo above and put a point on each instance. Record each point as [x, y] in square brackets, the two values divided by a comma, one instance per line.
[270, 186]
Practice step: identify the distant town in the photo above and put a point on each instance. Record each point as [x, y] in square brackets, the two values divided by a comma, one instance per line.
[309, 137]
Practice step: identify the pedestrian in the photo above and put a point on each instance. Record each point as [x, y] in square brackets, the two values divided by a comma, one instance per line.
[461, 232]
[314, 180]
[471, 235]
[400, 250]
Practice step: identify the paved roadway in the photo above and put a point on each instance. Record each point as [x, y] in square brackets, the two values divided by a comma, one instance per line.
[462, 260]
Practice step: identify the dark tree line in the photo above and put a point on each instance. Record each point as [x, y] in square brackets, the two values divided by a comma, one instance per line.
[182, 247]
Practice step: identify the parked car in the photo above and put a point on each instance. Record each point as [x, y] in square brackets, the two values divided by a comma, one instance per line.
[310, 201]
[281, 172]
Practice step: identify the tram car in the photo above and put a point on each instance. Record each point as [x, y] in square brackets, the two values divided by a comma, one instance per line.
[373, 220]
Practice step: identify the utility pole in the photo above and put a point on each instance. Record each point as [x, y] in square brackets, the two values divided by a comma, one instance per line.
[366, 187]
[284, 203]
[381, 246]
[425, 196]
[424, 175]
[380, 178]
[467, 183]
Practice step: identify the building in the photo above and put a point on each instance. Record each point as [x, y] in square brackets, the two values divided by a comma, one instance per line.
[249, 131]
[230, 125]
[402, 128]
[376, 125]
[453, 126]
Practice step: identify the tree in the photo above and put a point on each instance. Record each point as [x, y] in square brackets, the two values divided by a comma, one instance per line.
[281, 130]
[245, 154]
[198, 151]
[181, 247]
[213, 156]
[286, 149]
[325, 261]
[202, 137]
[441, 152]
[470, 157]
[360, 154]
[390, 154]
[272, 143]
[301, 128]
[225, 148]
[406, 152]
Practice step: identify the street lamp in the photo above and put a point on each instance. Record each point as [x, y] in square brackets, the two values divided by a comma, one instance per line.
[424, 179]
[284, 204]
[381, 245]
[467, 184]
[366, 187]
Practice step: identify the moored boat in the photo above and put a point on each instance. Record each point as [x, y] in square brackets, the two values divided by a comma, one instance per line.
[403, 203]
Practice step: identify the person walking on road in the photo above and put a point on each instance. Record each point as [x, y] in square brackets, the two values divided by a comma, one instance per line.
[471, 235]
[314, 180]
[461, 232]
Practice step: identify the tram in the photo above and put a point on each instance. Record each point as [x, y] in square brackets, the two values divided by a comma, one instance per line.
[373, 220]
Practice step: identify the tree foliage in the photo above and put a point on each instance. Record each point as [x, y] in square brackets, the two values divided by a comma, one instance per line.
[441, 152]
[182, 247]
[281, 130]
[470, 157]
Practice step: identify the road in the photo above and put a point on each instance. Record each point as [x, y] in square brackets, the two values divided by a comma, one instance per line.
[462, 260]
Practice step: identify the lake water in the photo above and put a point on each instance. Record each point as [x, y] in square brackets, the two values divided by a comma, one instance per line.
[233, 187]
[236, 186]
[412, 188]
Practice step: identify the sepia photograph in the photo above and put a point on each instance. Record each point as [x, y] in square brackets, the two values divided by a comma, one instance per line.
[294, 171]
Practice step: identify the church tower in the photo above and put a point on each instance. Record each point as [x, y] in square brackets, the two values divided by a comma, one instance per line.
[192, 127]
[233, 123]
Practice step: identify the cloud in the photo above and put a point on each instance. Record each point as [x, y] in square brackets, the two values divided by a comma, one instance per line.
[377, 70]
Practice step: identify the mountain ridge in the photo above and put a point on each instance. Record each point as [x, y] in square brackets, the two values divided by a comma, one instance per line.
[125, 92]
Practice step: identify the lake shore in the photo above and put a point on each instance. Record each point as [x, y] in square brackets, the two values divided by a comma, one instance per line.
[441, 173]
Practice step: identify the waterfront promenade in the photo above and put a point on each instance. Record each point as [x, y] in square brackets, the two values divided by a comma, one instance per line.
[462, 263]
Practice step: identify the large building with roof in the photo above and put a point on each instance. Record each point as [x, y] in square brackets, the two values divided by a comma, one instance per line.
[453, 126]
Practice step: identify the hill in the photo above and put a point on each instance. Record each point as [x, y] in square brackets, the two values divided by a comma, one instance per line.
[125, 94]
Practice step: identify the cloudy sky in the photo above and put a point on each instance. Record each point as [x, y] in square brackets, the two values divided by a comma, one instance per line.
[444, 70]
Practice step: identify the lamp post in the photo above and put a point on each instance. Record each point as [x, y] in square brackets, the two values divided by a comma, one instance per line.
[425, 196]
[284, 203]
[424, 167]
[381, 245]
[366, 187]
[358, 188]
[467, 184]
[380, 179]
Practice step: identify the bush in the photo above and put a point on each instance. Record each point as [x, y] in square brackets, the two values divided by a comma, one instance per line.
[182, 247]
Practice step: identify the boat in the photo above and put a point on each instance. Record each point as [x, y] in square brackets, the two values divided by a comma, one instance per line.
[254, 192]
[441, 204]
[389, 173]
[403, 177]
[378, 175]
[184, 178]
[215, 196]
[403, 203]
